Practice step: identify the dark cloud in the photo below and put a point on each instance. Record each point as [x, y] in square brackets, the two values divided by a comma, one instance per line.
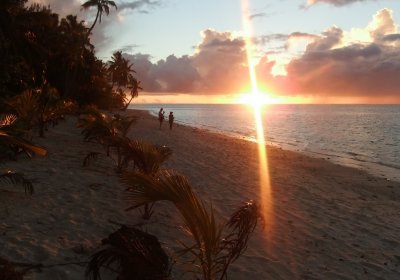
[140, 5]
[391, 37]
[331, 67]
[302, 35]
[128, 48]
[217, 66]
[328, 40]
[271, 37]
[325, 68]
[170, 75]
[355, 70]
[257, 15]
[337, 3]
[63, 8]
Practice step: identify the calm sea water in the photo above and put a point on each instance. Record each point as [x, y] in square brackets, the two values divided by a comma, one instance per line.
[362, 136]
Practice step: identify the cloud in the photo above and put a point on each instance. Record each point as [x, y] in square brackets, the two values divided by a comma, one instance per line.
[63, 8]
[337, 3]
[391, 37]
[140, 5]
[128, 48]
[382, 24]
[330, 66]
[329, 39]
[218, 65]
[257, 15]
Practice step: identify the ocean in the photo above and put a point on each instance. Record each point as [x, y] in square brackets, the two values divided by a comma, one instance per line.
[362, 136]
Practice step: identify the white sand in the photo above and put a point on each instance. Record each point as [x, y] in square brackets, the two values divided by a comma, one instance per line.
[328, 221]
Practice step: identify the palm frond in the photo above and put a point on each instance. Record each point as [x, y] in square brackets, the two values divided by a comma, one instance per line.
[17, 179]
[240, 225]
[213, 253]
[11, 136]
[131, 253]
[92, 156]
[7, 120]
[147, 158]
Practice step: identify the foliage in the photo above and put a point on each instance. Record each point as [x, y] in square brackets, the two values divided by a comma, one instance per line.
[12, 141]
[8, 271]
[17, 179]
[101, 128]
[133, 253]
[103, 6]
[215, 246]
[39, 108]
[122, 78]
[39, 48]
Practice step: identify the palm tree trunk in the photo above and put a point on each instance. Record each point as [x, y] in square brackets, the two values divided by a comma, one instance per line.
[94, 23]
[128, 103]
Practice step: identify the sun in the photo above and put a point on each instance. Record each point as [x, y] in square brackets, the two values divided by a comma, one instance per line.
[257, 99]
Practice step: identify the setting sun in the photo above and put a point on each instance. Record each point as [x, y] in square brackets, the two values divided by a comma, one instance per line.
[257, 98]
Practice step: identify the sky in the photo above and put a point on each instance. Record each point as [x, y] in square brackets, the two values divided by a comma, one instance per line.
[303, 51]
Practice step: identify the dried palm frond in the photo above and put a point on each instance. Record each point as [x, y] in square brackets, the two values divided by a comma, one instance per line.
[131, 253]
[17, 179]
[240, 225]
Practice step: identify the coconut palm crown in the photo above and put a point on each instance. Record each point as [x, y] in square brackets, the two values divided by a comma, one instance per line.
[103, 6]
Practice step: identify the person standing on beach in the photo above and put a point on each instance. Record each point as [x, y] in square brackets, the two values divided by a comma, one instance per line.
[171, 119]
[161, 116]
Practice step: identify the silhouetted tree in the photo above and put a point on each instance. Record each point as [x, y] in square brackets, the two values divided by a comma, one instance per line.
[103, 6]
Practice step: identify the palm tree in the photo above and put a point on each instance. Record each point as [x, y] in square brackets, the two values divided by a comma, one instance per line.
[215, 247]
[101, 128]
[121, 75]
[147, 159]
[119, 69]
[103, 6]
[39, 107]
[134, 86]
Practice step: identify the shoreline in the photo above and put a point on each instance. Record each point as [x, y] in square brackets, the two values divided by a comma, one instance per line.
[377, 169]
[327, 221]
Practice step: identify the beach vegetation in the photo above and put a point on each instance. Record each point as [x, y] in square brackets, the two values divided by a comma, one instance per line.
[15, 178]
[132, 254]
[109, 131]
[13, 139]
[39, 48]
[8, 271]
[215, 245]
[40, 108]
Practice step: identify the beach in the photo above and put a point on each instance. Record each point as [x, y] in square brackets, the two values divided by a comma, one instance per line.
[326, 221]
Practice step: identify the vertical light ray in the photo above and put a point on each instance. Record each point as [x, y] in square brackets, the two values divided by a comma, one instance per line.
[265, 184]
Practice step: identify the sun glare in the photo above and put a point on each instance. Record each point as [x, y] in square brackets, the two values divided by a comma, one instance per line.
[256, 99]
